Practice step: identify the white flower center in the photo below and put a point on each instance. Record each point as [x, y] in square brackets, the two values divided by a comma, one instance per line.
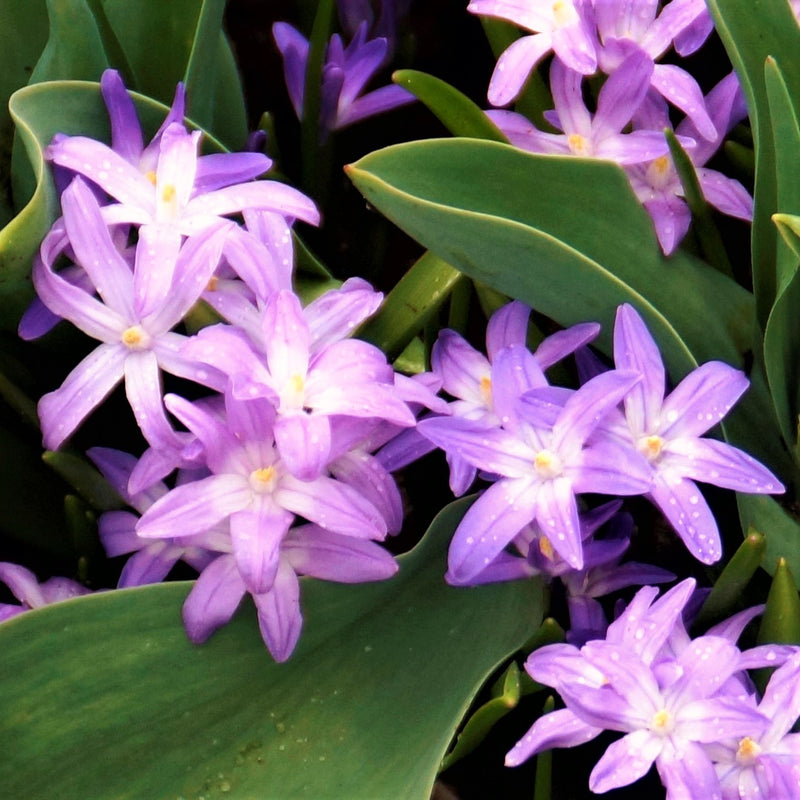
[662, 722]
[547, 465]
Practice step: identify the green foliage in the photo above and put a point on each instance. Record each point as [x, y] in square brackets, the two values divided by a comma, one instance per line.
[365, 707]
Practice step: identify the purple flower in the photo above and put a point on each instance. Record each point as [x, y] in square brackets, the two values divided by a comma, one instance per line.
[347, 70]
[251, 487]
[668, 431]
[151, 560]
[32, 594]
[659, 188]
[307, 550]
[671, 706]
[565, 27]
[133, 316]
[540, 461]
[307, 384]
[175, 193]
[765, 763]
[626, 25]
[466, 375]
[592, 135]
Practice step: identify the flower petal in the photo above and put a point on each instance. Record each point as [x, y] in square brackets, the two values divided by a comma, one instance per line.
[213, 600]
[279, 617]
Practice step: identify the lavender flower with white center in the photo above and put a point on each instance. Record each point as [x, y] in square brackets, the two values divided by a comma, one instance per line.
[566, 27]
[466, 375]
[306, 550]
[133, 317]
[176, 194]
[32, 594]
[766, 764]
[626, 25]
[659, 188]
[345, 74]
[151, 560]
[668, 431]
[346, 377]
[540, 461]
[671, 707]
[592, 135]
[251, 487]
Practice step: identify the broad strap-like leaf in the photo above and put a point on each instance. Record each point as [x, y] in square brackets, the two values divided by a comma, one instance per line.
[105, 697]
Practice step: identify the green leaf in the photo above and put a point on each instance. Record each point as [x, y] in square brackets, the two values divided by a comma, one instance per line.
[782, 332]
[706, 230]
[453, 109]
[508, 226]
[749, 45]
[729, 587]
[505, 697]
[84, 478]
[781, 620]
[410, 304]
[568, 237]
[781, 530]
[23, 35]
[103, 696]
[543, 783]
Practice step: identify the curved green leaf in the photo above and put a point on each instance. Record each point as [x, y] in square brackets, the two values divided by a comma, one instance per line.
[96, 687]
[782, 332]
[729, 587]
[749, 45]
[23, 35]
[453, 109]
[565, 235]
[781, 530]
[781, 620]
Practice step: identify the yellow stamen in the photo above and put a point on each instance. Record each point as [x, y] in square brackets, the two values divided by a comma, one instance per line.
[547, 464]
[546, 548]
[212, 284]
[262, 479]
[151, 176]
[748, 751]
[298, 383]
[578, 144]
[651, 446]
[662, 722]
[134, 337]
[168, 193]
[563, 13]
[660, 165]
[486, 389]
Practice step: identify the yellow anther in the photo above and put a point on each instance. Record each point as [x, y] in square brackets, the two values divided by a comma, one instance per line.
[298, 383]
[262, 479]
[660, 165]
[662, 722]
[486, 389]
[547, 464]
[651, 446]
[546, 548]
[135, 338]
[564, 13]
[748, 751]
[212, 284]
[578, 144]
[151, 176]
[168, 193]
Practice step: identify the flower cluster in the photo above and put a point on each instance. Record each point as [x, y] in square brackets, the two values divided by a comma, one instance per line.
[623, 41]
[686, 705]
[294, 408]
[543, 446]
